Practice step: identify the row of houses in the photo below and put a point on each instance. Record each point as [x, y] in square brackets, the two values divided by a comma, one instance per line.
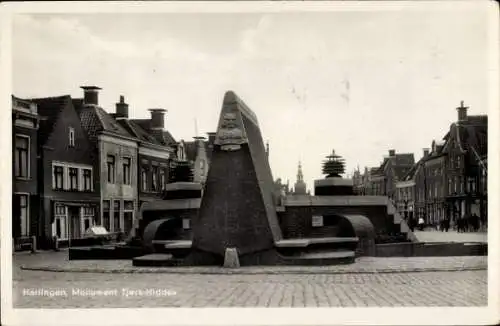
[449, 181]
[76, 165]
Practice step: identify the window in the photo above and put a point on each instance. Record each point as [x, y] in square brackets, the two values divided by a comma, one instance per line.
[105, 215]
[449, 186]
[87, 218]
[22, 201]
[186, 225]
[60, 226]
[71, 137]
[163, 179]
[73, 178]
[317, 221]
[111, 168]
[456, 184]
[116, 216]
[128, 216]
[21, 159]
[126, 170]
[144, 179]
[58, 177]
[155, 178]
[87, 179]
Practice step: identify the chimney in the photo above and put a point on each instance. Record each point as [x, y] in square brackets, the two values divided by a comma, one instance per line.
[211, 138]
[392, 152]
[122, 108]
[426, 152]
[157, 118]
[90, 95]
[462, 111]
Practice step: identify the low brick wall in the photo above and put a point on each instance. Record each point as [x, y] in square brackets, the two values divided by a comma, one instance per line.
[431, 249]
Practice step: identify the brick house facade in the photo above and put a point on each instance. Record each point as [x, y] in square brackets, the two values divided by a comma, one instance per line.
[384, 178]
[116, 153]
[25, 196]
[69, 196]
[466, 151]
[155, 151]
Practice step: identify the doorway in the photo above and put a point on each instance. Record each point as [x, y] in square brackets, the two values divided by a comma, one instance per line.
[74, 217]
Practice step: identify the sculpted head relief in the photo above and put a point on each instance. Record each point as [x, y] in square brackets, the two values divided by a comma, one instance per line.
[230, 133]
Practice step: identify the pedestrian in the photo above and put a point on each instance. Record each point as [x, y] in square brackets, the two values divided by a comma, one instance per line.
[421, 223]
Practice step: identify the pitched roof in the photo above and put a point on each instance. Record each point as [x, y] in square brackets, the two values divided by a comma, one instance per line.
[49, 109]
[136, 131]
[95, 120]
[163, 137]
[399, 162]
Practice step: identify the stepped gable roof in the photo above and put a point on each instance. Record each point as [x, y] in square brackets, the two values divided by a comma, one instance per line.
[49, 109]
[95, 120]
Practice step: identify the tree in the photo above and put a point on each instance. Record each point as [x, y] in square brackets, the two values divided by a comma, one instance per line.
[334, 165]
[182, 172]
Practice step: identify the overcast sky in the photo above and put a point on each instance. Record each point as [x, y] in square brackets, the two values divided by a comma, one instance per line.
[358, 82]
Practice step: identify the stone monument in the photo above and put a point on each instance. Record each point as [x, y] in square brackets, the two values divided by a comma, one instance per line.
[237, 209]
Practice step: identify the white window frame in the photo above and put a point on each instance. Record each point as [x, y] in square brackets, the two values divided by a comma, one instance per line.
[113, 175]
[71, 136]
[127, 176]
[28, 157]
[64, 226]
[54, 181]
[77, 178]
[86, 216]
[81, 186]
[112, 216]
[128, 210]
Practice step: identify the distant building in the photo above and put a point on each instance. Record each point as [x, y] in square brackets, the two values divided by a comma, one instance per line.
[199, 153]
[384, 178]
[300, 187]
[450, 180]
[25, 192]
[466, 150]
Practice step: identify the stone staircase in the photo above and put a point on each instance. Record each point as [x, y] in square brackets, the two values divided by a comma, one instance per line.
[399, 220]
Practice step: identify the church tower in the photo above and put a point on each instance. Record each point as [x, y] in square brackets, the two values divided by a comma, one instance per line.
[300, 185]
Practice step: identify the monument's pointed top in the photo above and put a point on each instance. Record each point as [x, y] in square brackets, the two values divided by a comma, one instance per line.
[230, 97]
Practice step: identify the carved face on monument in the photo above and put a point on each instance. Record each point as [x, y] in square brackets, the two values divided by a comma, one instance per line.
[229, 121]
[230, 134]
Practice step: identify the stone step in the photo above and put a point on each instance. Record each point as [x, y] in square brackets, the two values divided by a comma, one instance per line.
[336, 257]
[155, 260]
[302, 243]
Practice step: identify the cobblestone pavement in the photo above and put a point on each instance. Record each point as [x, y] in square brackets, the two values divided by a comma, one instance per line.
[451, 236]
[50, 261]
[322, 289]
[75, 290]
